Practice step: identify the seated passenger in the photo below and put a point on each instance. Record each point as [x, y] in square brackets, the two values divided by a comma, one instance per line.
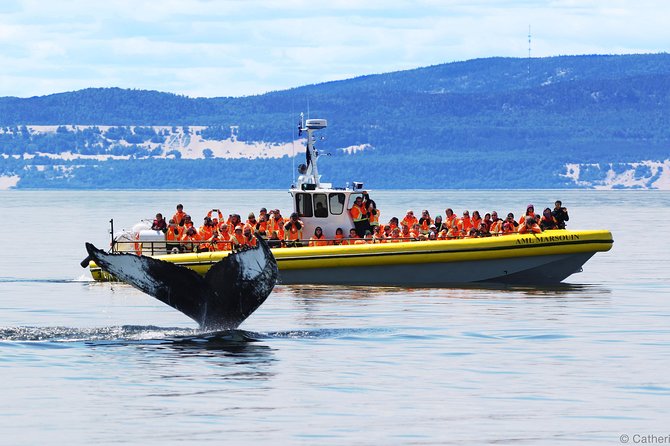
[439, 225]
[318, 239]
[496, 224]
[466, 222]
[425, 221]
[159, 223]
[509, 226]
[339, 236]
[415, 232]
[455, 231]
[442, 235]
[395, 236]
[450, 216]
[262, 225]
[367, 238]
[207, 229]
[222, 239]
[353, 237]
[251, 221]
[409, 219]
[249, 238]
[293, 231]
[529, 226]
[190, 240]
[394, 223]
[487, 221]
[548, 221]
[432, 232]
[238, 238]
[530, 211]
[476, 219]
[560, 214]
[217, 218]
[483, 230]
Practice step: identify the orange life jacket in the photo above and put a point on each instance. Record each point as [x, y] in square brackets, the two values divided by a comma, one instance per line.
[374, 218]
[318, 241]
[409, 221]
[522, 220]
[179, 216]
[170, 235]
[357, 213]
[293, 232]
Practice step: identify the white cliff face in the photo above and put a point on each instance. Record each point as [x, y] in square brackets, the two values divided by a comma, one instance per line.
[640, 175]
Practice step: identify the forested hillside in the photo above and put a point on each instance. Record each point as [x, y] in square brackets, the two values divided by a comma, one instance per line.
[486, 123]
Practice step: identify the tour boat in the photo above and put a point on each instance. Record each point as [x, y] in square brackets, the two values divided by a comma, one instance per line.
[524, 259]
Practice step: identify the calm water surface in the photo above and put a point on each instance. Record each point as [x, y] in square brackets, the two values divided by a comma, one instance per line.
[583, 363]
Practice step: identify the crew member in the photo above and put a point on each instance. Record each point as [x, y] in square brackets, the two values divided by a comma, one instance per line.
[359, 215]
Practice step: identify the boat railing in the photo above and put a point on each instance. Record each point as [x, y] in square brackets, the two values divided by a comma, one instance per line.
[159, 247]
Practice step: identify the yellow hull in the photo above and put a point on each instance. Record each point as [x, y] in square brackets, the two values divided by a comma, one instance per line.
[449, 258]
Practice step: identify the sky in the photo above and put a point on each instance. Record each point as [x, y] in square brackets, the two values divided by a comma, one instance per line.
[211, 48]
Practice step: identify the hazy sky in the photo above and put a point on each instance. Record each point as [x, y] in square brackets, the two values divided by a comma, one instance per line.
[242, 47]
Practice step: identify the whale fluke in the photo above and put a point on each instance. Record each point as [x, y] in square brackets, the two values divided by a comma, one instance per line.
[232, 289]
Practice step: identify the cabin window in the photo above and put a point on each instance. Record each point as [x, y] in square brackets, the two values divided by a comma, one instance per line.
[336, 203]
[320, 206]
[303, 205]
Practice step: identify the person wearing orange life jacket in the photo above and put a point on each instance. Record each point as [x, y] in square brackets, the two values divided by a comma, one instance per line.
[318, 239]
[466, 222]
[172, 237]
[476, 219]
[442, 235]
[251, 221]
[415, 231]
[359, 215]
[262, 225]
[487, 221]
[529, 226]
[207, 229]
[190, 240]
[395, 236]
[530, 211]
[188, 223]
[222, 239]
[339, 236]
[450, 216]
[409, 219]
[425, 221]
[454, 231]
[373, 213]
[394, 223]
[238, 238]
[234, 220]
[439, 224]
[496, 224]
[178, 217]
[250, 238]
[509, 226]
[293, 231]
[352, 239]
[405, 233]
[274, 241]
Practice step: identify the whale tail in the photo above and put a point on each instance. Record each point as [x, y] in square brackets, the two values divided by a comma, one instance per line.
[231, 291]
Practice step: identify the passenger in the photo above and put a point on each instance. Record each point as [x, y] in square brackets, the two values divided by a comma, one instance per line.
[293, 231]
[509, 226]
[178, 217]
[234, 220]
[472, 233]
[432, 233]
[188, 223]
[466, 222]
[409, 219]
[454, 231]
[318, 239]
[217, 218]
[442, 235]
[496, 224]
[207, 229]
[367, 238]
[530, 211]
[487, 221]
[425, 221]
[263, 213]
[262, 225]
[224, 239]
[405, 233]
[439, 225]
[378, 234]
[238, 238]
[395, 236]
[249, 237]
[159, 223]
[172, 237]
[190, 240]
[353, 237]
[251, 221]
[450, 216]
[339, 237]
[359, 215]
[415, 232]
[373, 214]
[394, 223]
[387, 231]
[483, 230]
[548, 221]
[529, 226]
[560, 214]
[320, 210]
[274, 241]
[476, 219]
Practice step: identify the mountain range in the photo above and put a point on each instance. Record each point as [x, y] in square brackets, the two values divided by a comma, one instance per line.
[598, 121]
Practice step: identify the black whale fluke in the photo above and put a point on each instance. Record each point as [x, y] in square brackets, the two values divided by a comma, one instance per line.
[231, 290]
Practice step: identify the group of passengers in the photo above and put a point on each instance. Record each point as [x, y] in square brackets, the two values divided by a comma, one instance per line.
[219, 234]
[367, 229]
